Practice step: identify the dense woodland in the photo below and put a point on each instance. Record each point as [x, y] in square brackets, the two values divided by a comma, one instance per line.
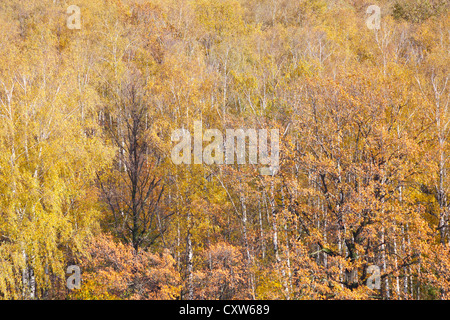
[85, 141]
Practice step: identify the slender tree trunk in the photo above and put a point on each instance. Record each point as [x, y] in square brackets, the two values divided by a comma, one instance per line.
[274, 224]
[262, 241]
[190, 258]
[246, 244]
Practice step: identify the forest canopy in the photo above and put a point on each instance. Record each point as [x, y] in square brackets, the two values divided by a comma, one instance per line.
[92, 91]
